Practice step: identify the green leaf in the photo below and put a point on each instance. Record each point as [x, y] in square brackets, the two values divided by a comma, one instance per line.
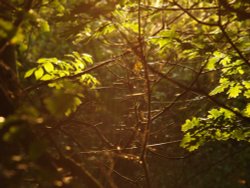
[219, 135]
[234, 91]
[19, 37]
[240, 70]
[225, 61]
[47, 77]
[247, 94]
[217, 56]
[238, 134]
[189, 124]
[58, 6]
[218, 89]
[214, 114]
[228, 114]
[76, 55]
[29, 73]
[132, 26]
[49, 67]
[168, 33]
[224, 81]
[87, 58]
[108, 29]
[39, 73]
[211, 63]
[186, 140]
[42, 60]
[75, 103]
[224, 84]
[44, 26]
[193, 147]
[247, 110]
[246, 84]
[6, 25]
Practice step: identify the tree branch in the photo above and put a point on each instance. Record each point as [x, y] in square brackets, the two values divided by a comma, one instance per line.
[193, 17]
[98, 65]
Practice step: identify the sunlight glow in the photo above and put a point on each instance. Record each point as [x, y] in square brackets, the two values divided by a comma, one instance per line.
[2, 119]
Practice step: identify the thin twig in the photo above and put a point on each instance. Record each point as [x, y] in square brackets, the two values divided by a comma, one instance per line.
[129, 148]
[193, 17]
[122, 176]
[168, 157]
[164, 8]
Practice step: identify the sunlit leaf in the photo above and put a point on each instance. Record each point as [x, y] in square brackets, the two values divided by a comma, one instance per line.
[87, 58]
[234, 91]
[189, 124]
[18, 37]
[132, 26]
[225, 61]
[186, 139]
[49, 67]
[214, 114]
[39, 73]
[247, 110]
[46, 77]
[227, 114]
[44, 26]
[218, 89]
[246, 84]
[193, 147]
[247, 94]
[211, 63]
[29, 73]
[42, 60]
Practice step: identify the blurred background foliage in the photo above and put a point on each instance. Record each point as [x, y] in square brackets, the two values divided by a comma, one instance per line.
[74, 102]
